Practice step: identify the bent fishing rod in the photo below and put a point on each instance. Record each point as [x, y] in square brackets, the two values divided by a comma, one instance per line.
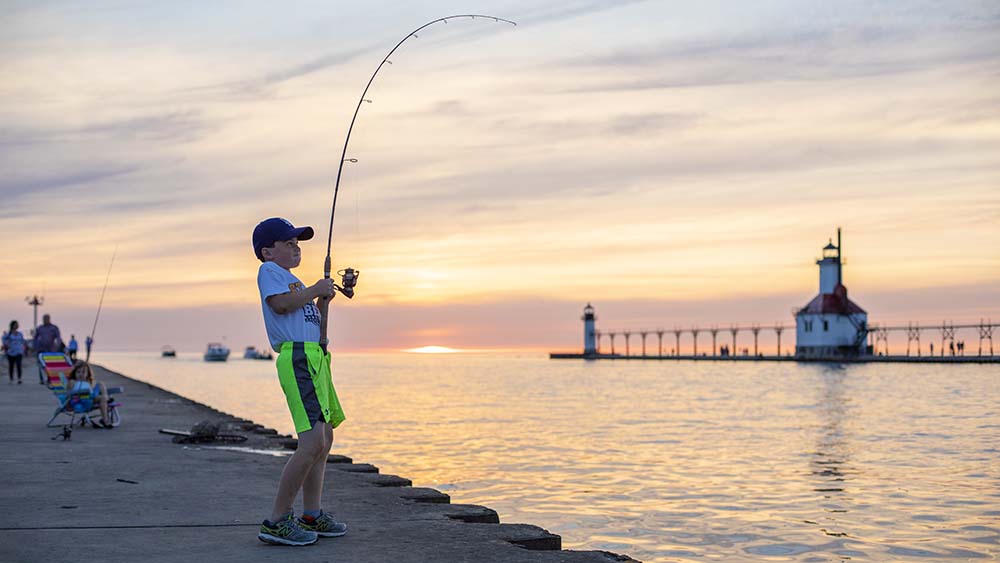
[349, 276]
[101, 302]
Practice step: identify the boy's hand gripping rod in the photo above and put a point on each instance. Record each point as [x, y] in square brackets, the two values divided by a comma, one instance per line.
[349, 276]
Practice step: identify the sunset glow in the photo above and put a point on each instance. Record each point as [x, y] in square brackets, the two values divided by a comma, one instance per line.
[432, 350]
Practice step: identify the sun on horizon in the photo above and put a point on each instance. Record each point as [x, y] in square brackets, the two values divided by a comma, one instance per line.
[433, 350]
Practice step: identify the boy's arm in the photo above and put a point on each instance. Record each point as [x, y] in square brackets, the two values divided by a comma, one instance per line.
[285, 303]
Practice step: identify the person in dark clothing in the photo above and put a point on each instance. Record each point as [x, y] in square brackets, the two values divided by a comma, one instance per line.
[14, 346]
[47, 338]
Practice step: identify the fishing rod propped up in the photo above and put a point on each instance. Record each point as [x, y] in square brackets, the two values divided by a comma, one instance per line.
[349, 276]
[101, 302]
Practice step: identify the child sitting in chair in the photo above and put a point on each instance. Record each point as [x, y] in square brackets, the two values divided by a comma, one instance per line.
[81, 380]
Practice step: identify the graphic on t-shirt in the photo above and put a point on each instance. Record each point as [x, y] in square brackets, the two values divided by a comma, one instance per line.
[309, 310]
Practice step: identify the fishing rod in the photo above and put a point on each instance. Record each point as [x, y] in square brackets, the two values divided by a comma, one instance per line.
[101, 303]
[349, 276]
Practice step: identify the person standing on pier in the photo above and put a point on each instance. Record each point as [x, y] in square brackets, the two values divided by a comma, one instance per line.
[72, 347]
[13, 345]
[292, 320]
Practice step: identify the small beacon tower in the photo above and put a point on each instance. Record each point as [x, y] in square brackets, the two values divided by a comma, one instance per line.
[589, 334]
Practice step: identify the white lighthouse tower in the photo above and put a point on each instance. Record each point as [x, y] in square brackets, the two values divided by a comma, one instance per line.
[589, 334]
[831, 325]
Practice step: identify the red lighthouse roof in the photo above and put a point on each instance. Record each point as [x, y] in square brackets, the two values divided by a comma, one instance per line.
[835, 303]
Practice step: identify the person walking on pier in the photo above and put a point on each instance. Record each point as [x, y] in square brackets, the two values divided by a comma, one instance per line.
[47, 337]
[292, 320]
[72, 347]
[13, 346]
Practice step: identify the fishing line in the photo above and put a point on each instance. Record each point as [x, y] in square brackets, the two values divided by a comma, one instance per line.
[101, 303]
[349, 275]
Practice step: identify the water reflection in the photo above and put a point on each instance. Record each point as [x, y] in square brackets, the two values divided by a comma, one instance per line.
[672, 461]
[830, 462]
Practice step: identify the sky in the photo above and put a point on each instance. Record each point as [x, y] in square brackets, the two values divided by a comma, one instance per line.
[673, 163]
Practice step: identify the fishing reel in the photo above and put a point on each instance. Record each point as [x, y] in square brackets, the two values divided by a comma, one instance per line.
[348, 279]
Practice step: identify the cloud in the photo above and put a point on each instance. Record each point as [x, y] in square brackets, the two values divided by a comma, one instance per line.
[13, 187]
[297, 70]
[153, 127]
[550, 177]
[540, 127]
[787, 55]
[263, 85]
[551, 12]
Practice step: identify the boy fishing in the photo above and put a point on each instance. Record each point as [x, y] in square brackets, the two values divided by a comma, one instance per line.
[292, 319]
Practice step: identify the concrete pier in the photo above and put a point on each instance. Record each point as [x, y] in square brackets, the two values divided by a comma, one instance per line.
[131, 494]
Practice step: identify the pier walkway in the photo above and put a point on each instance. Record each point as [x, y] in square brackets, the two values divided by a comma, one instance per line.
[130, 494]
[765, 358]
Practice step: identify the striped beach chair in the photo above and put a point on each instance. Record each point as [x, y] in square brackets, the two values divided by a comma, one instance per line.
[57, 367]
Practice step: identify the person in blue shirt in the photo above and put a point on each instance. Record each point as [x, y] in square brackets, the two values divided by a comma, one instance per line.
[81, 381]
[72, 347]
[14, 345]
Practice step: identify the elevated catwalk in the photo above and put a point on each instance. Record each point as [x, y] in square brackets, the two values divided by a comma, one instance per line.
[761, 358]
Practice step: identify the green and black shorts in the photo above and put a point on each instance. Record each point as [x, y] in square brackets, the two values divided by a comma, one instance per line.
[304, 373]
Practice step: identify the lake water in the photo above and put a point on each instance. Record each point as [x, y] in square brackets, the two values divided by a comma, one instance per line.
[671, 461]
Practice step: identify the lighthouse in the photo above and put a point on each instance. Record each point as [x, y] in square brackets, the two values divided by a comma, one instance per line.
[589, 334]
[831, 325]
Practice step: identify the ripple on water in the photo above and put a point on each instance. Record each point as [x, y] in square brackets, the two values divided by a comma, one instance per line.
[780, 549]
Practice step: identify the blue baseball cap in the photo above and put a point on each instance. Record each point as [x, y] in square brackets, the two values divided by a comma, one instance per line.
[276, 229]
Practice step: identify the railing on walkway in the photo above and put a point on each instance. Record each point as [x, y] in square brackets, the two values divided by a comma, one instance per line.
[877, 336]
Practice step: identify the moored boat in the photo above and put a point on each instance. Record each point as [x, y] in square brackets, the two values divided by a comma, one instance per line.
[168, 352]
[252, 353]
[216, 353]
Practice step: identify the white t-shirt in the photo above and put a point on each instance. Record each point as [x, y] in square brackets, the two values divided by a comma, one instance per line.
[301, 325]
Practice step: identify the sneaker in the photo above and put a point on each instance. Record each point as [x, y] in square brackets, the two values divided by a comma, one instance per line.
[324, 525]
[285, 532]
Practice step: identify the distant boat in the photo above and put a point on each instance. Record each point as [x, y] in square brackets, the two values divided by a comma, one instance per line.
[168, 352]
[216, 353]
[251, 353]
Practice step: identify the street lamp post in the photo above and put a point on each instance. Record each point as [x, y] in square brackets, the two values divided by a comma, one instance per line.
[35, 301]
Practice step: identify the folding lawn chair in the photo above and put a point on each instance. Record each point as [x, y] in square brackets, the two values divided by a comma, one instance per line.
[54, 365]
[81, 403]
